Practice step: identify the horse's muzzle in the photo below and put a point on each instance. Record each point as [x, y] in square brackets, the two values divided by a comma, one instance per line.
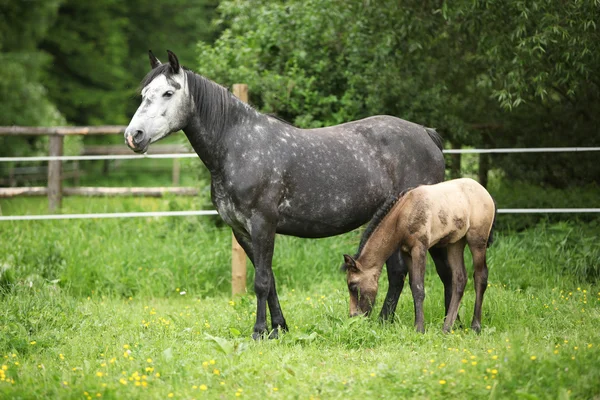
[137, 140]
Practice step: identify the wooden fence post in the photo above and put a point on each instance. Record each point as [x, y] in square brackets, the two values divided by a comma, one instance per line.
[54, 174]
[484, 167]
[176, 172]
[455, 171]
[238, 256]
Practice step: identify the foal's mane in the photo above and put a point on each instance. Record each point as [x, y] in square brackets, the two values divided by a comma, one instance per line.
[381, 213]
[210, 99]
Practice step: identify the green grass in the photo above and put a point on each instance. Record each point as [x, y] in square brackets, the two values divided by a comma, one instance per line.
[89, 307]
[535, 344]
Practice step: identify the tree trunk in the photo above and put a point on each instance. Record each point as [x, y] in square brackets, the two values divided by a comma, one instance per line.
[455, 160]
[484, 167]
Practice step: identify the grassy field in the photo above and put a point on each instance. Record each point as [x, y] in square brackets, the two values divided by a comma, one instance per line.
[140, 308]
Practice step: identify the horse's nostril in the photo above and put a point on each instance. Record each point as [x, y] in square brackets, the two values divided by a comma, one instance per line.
[138, 136]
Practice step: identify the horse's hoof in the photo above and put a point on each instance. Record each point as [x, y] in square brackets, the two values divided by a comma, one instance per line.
[278, 330]
[274, 334]
[259, 335]
[476, 328]
[387, 318]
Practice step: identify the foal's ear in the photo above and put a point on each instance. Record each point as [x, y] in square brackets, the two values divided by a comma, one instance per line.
[350, 264]
[173, 61]
[154, 62]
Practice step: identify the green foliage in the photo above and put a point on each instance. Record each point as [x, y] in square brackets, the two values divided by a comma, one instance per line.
[540, 49]
[318, 67]
[460, 67]
[23, 98]
[100, 50]
[89, 64]
[68, 61]
[516, 194]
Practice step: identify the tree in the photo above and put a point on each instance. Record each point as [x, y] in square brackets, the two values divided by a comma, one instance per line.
[458, 66]
[99, 52]
[23, 98]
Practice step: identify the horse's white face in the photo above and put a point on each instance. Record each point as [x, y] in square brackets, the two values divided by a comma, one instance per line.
[165, 109]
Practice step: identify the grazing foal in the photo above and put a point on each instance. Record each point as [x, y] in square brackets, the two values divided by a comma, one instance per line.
[449, 214]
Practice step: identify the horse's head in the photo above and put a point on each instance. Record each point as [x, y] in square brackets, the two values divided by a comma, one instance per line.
[165, 105]
[362, 285]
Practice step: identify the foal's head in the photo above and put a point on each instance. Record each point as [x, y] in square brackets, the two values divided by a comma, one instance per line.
[362, 285]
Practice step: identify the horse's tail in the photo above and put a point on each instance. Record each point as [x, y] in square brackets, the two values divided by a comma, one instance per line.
[491, 236]
[437, 139]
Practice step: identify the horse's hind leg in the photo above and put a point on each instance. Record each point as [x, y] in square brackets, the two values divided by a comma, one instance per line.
[459, 280]
[416, 272]
[442, 266]
[480, 277]
[396, 272]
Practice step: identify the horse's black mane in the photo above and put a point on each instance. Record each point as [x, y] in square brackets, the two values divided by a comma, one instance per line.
[210, 98]
[377, 218]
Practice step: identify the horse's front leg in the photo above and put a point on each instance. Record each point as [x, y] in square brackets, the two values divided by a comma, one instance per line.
[263, 243]
[396, 272]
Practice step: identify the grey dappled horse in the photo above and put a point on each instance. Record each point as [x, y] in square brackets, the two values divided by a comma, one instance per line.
[270, 177]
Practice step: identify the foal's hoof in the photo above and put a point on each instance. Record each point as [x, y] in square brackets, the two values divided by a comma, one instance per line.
[476, 328]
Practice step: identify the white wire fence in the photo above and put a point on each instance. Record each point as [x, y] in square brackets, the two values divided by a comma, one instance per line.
[194, 155]
[214, 212]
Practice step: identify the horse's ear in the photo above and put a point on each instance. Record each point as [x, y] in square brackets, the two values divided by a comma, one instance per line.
[350, 264]
[173, 61]
[154, 62]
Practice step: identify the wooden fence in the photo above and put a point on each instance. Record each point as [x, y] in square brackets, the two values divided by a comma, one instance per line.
[55, 191]
[55, 173]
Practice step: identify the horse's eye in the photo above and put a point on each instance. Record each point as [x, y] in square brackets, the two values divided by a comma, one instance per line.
[353, 287]
[168, 93]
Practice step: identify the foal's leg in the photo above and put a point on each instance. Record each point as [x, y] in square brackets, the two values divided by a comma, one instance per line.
[396, 272]
[442, 266]
[459, 281]
[416, 273]
[480, 277]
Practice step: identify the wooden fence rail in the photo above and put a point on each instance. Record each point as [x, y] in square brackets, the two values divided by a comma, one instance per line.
[61, 130]
[55, 191]
[100, 191]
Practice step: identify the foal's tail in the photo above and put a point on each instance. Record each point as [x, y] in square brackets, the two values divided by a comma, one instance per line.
[437, 139]
[491, 237]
